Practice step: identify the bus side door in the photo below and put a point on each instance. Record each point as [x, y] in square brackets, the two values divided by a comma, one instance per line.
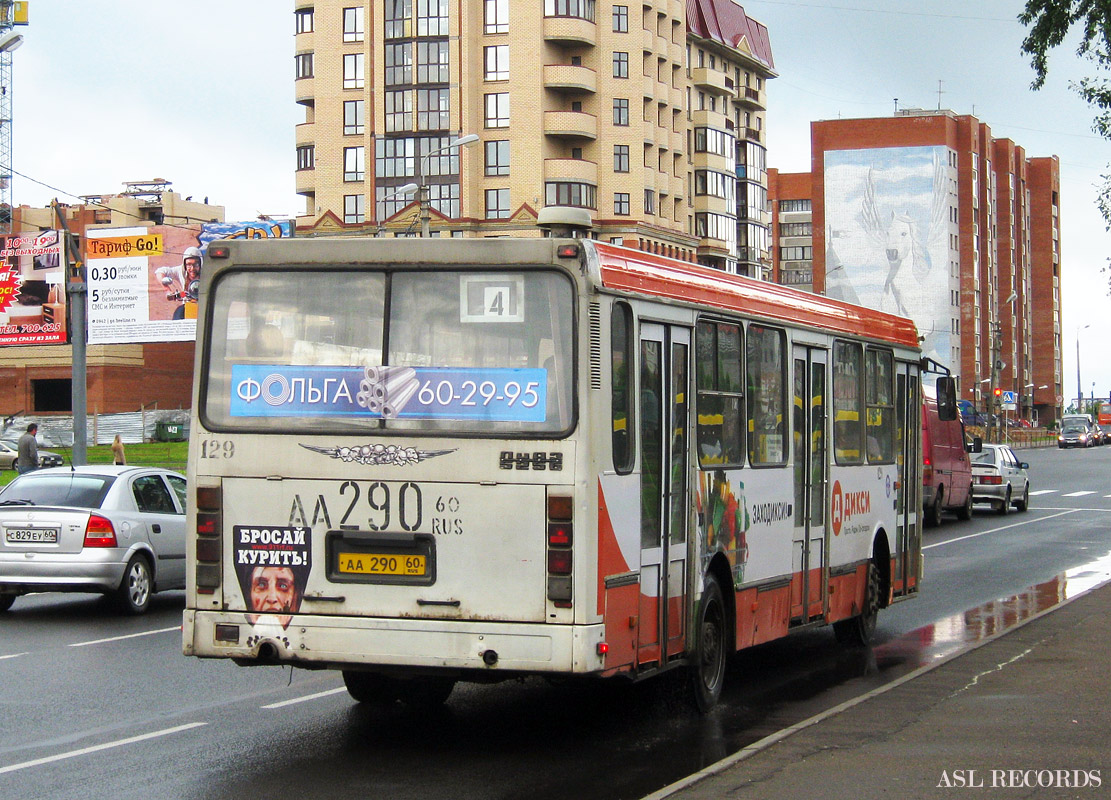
[665, 507]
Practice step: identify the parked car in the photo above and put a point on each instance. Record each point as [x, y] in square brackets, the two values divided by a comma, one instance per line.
[1000, 478]
[116, 530]
[9, 452]
[1075, 433]
[946, 472]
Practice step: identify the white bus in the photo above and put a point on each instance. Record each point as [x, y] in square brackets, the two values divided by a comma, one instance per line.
[430, 460]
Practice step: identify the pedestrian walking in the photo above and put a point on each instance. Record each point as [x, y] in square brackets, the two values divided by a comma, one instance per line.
[28, 458]
[118, 457]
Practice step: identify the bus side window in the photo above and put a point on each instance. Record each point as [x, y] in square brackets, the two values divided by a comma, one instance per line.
[621, 396]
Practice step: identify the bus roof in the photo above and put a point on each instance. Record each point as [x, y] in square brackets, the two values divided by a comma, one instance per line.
[644, 273]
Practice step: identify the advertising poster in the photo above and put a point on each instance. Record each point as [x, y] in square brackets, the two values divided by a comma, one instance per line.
[887, 242]
[32, 291]
[143, 282]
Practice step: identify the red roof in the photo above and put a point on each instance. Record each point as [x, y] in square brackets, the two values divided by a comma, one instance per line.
[726, 22]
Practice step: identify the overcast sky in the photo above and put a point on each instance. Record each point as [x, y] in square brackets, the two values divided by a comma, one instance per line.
[201, 94]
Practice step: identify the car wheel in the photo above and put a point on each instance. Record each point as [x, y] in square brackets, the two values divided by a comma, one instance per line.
[371, 688]
[933, 513]
[965, 512]
[708, 668]
[1005, 504]
[858, 630]
[133, 595]
[1024, 503]
[6, 601]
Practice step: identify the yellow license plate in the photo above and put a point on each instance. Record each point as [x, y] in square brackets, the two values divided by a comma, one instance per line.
[382, 564]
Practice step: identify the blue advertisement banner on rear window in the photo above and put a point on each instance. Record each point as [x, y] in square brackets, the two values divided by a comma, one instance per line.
[498, 394]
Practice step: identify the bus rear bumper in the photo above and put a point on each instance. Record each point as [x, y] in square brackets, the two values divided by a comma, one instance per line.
[345, 642]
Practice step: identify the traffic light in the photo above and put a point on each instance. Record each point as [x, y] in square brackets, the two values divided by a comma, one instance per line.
[998, 392]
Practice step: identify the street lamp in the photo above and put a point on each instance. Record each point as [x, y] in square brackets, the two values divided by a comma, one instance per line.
[1079, 386]
[422, 189]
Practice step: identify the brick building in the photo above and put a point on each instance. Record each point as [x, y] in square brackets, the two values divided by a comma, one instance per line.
[926, 214]
[648, 116]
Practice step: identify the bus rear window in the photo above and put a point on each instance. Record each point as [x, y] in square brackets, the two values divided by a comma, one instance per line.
[448, 352]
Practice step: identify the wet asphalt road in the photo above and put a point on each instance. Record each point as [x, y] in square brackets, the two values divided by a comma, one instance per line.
[106, 706]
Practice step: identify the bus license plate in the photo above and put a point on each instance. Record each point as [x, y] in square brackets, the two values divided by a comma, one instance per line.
[32, 535]
[382, 564]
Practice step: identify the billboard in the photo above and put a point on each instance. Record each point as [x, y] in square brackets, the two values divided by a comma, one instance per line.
[143, 281]
[887, 237]
[32, 292]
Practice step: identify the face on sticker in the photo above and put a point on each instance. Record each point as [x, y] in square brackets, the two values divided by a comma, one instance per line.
[273, 590]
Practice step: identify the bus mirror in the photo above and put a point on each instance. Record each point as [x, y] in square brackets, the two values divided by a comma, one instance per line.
[946, 398]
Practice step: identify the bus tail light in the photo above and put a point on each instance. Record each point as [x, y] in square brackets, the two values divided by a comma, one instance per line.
[208, 544]
[99, 532]
[560, 553]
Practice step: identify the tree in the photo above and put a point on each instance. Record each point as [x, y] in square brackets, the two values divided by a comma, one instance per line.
[1049, 22]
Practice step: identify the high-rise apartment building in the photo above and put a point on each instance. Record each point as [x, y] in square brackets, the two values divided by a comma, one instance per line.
[925, 214]
[648, 116]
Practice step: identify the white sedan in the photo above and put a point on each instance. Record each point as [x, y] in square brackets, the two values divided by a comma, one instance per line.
[116, 530]
[999, 478]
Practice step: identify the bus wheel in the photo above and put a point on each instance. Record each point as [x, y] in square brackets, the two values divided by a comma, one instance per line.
[371, 688]
[858, 630]
[426, 693]
[708, 669]
[6, 601]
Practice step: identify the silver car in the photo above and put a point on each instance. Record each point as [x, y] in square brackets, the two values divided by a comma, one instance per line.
[115, 530]
[9, 452]
[999, 478]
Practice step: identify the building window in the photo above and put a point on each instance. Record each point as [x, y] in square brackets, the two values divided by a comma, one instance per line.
[581, 9]
[620, 19]
[497, 110]
[395, 158]
[432, 109]
[432, 62]
[621, 204]
[303, 64]
[398, 62]
[496, 16]
[497, 157]
[497, 204]
[437, 157]
[354, 163]
[353, 71]
[399, 111]
[620, 65]
[569, 193]
[621, 158]
[388, 201]
[620, 111]
[796, 229]
[306, 157]
[353, 30]
[354, 208]
[432, 17]
[497, 62]
[398, 18]
[354, 117]
[794, 205]
[649, 201]
[796, 253]
[304, 20]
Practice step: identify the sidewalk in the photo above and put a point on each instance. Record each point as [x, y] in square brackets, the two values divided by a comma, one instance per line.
[1026, 714]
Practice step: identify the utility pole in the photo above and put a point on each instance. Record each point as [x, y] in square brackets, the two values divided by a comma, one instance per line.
[75, 305]
[994, 434]
[9, 41]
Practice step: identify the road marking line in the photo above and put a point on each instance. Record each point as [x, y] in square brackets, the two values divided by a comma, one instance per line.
[1078, 494]
[996, 530]
[306, 698]
[128, 636]
[13, 655]
[96, 748]
[1043, 491]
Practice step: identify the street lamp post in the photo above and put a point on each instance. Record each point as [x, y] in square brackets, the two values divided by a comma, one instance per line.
[422, 189]
[1079, 386]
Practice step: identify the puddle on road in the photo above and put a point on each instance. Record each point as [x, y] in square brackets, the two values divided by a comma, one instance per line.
[955, 633]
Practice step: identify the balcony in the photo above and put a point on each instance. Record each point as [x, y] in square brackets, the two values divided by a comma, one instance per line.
[710, 80]
[752, 135]
[570, 78]
[304, 181]
[570, 31]
[304, 91]
[705, 118]
[750, 97]
[712, 161]
[571, 169]
[570, 125]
